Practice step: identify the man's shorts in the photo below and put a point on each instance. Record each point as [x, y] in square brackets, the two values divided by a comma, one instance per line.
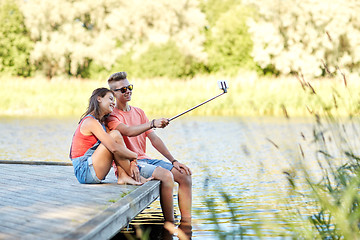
[147, 166]
[84, 169]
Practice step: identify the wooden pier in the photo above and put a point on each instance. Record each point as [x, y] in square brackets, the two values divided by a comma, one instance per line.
[46, 202]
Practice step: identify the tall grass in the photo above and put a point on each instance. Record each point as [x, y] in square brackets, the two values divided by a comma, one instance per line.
[38, 97]
[323, 201]
[247, 96]
[334, 192]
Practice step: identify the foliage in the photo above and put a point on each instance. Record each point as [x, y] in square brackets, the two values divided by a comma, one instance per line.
[164, 60]
[306, 36]
[179, 39]
[15, 44]
[71, 36]
[228, 43]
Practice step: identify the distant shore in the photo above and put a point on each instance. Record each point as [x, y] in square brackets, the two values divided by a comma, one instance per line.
[247, 96]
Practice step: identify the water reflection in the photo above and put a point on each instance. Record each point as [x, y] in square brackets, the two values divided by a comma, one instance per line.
[226, 155]
[36, 139]
[150, 225]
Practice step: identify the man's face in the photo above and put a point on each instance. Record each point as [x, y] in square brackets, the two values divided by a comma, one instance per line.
[122, 91]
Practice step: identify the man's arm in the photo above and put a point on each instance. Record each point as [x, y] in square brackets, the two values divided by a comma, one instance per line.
[132, 131]
[160, 146]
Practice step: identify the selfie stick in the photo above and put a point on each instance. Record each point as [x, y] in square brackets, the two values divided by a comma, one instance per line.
[222, 85]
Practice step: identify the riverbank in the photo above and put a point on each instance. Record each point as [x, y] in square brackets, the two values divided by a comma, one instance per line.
[248, 95]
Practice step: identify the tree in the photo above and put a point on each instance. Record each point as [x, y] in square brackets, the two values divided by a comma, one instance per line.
[70, 36]
[15, 44]
[228, 43]
[163, 60]
[306, 36]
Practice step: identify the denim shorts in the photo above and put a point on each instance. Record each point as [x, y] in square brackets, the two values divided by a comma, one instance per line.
[147, 166]
[83, 167]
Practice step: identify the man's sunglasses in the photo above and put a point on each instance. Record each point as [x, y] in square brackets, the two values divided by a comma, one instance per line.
[124, 89]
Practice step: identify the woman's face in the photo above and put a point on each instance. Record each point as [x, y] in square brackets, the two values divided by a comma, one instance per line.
[107, 103]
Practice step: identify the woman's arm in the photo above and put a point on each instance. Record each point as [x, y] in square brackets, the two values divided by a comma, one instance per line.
[91, 126]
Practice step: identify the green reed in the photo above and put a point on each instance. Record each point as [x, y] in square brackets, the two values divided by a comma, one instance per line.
[323, 198]
[247, 96]
[334, 192]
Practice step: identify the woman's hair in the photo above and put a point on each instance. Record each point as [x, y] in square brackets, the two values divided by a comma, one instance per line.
[94, 103]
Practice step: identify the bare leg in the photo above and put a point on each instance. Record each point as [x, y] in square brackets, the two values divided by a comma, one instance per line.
[124, 178]
[184, 194]
[122, 165]
[103, 158]
[166, 192]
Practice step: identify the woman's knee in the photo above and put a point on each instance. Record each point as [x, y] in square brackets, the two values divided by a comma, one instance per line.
[116, 135]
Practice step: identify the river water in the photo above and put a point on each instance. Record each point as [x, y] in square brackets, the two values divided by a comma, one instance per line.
[242, 157]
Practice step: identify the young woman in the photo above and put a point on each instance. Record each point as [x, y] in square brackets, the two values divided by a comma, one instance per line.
[93, 149]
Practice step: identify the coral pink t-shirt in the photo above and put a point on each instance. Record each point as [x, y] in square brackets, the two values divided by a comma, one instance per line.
[135, 116]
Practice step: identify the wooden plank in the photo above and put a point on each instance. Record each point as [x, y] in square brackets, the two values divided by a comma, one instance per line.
[68, 163]
[47, 202]
[106, 224]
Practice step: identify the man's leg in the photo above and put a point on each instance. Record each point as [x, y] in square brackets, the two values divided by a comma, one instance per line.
[166, 192]
[184, 194]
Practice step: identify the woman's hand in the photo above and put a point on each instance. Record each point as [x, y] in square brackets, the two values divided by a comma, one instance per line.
[135, 173]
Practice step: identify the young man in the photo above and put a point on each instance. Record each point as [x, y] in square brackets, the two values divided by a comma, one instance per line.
[133, 124]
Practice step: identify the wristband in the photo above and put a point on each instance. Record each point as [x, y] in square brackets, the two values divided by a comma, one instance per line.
[152, 125]
[174, 161]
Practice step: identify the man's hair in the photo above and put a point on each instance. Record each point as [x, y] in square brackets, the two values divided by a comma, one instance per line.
[117, 77]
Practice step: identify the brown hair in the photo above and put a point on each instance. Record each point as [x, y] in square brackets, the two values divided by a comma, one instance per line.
[118, 76]
[94, 104]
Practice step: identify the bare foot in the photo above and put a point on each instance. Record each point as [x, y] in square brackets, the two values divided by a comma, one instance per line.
[126, 179]
[186, 228]
[177, 231]
[144, 180]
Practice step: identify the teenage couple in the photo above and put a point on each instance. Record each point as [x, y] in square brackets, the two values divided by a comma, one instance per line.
[111, 132]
